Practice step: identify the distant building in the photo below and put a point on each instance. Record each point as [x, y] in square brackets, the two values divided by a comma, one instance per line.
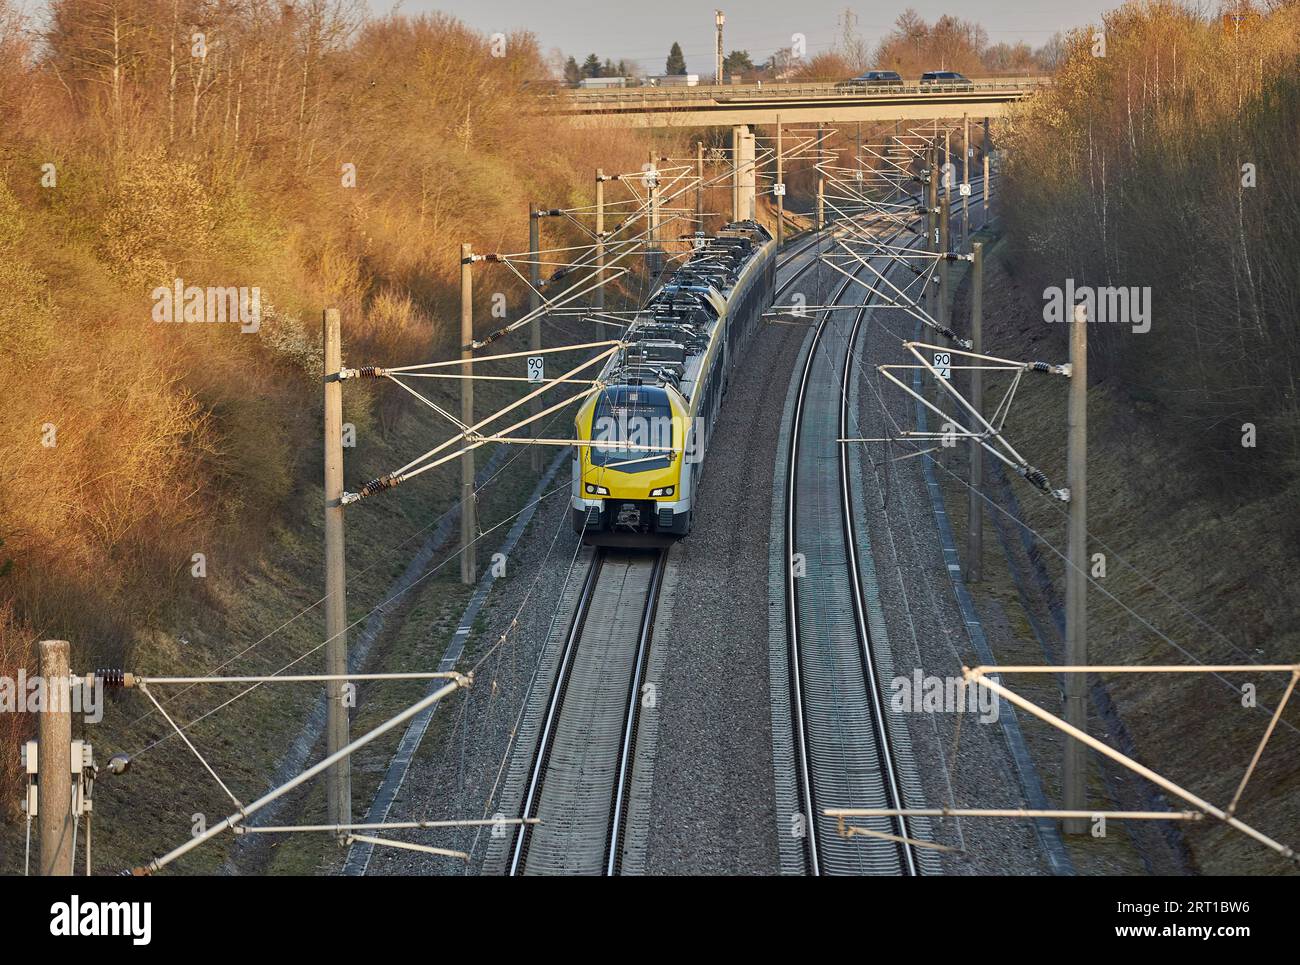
[598, 82]
[674, 80]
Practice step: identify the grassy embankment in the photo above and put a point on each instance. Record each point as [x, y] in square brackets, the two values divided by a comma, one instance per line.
[1130, 172]
[121, 171]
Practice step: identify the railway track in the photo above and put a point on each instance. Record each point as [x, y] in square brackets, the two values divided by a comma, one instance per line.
[581, 771]
[579, 777]
[845, 753]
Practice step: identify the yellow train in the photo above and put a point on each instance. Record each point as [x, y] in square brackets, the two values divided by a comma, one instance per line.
[647, 431]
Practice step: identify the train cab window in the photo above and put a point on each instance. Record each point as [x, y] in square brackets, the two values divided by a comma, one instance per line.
[626, 418]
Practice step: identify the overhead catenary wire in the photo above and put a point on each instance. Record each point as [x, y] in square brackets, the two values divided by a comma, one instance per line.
[1093, 582]
[454, 556]
[307, 609]
[263, 680]
[366, 568]
[1253, 668]
[407, 846]
[230, 821]
[980, 676]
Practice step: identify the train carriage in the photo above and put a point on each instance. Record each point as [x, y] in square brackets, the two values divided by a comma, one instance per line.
[649, 427]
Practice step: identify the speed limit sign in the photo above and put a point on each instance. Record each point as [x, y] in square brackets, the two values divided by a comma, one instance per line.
[536, 368]
[943, 363]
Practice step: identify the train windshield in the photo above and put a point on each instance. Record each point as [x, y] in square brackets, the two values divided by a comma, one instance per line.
[631, 429]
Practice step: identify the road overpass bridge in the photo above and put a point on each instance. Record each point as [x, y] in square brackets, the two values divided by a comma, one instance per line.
[749, 104]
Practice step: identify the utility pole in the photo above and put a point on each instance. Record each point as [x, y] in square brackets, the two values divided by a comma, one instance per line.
[1075, 770]
[898, 142]
[338, 780]
[965, 180]
[600, 240]
[718, 20]
[857, 154]
[945, 275]
[932, 218]
[975, 554]
[947, 161]
[468, 525]
[821, 185]
[535, 327]
[779, 189]
[54, 762]
[598, 326]
[751, 177]
[699, 185]
[988, 185]
[652, 185]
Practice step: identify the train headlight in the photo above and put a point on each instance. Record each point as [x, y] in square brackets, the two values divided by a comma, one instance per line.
[594, 490]
[662, 491]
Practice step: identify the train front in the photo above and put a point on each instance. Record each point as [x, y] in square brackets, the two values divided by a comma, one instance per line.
[628, 484]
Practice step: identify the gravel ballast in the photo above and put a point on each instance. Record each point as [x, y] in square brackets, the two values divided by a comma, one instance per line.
[713, 804]
[713, 807]
[963, 762]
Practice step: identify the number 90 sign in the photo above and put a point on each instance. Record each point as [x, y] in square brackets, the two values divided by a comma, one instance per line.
[536, 368]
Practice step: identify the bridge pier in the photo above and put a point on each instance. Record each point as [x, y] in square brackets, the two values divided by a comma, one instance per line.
[743, 200]
[988, 188]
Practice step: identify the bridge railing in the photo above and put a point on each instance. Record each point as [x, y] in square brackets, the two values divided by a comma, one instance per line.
[721, 93]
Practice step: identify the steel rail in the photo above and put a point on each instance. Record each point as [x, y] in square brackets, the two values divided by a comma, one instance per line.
[584, 623]
[618, 815]
[559, 688]
[547, 738]
[804, 777]
[631, 718]
[879, 719]
[805, 757]
[798, 714]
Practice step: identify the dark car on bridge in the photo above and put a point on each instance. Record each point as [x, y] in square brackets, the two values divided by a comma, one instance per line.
[872, 78]
[947, 79]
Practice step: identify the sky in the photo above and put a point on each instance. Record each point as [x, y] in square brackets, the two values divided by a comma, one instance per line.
[641, 31]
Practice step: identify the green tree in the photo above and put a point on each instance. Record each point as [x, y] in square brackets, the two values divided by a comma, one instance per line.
[737, 62]
[591, 66]
[676, 60]
[572, 72]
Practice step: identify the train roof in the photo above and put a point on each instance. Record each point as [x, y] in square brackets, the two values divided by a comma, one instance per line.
[623, 395]
[673, 331]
